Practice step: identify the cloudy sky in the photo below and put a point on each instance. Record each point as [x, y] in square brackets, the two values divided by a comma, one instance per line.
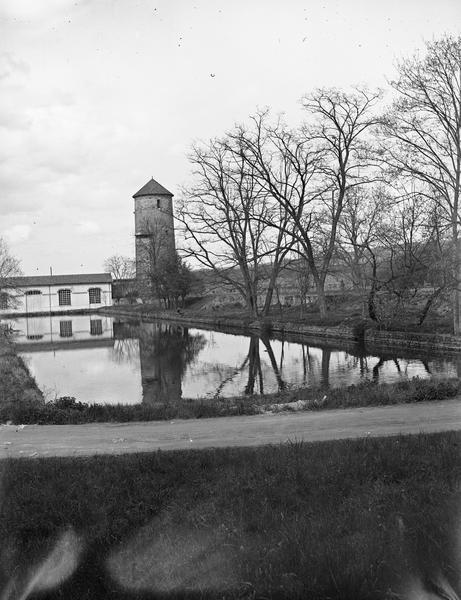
[97, 96]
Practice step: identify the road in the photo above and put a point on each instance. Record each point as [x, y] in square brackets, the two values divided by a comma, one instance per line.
[114, 438]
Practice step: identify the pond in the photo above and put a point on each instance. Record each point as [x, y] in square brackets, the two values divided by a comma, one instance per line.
[98, 359]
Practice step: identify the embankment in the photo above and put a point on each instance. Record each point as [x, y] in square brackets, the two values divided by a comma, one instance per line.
[415, 341]
[16, 382]
[371, 338]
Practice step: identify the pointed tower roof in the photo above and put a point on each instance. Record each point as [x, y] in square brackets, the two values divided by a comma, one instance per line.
[152, 188]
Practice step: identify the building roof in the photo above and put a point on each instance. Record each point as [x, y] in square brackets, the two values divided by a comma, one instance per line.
[153, 188]
[61, 279]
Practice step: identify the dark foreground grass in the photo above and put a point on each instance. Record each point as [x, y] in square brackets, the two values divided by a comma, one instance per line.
[351, 520]
[69, 411]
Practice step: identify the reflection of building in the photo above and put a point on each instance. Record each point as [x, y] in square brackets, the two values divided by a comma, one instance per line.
[58, 293]
[65, 331]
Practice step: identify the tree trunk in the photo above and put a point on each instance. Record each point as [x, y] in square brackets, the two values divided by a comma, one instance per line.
[270, 291]
[253, 365]
[252, 306]
[372, 294]
[321, 299]
[456, 294]
[427, 306]
[371, 304]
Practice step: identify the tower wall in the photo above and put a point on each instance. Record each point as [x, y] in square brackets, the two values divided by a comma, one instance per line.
[154, 234]
[153, 212]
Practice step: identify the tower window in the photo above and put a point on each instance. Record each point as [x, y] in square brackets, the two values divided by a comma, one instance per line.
[94, 295]
[64, 297]
[158, 202]
[4, 301]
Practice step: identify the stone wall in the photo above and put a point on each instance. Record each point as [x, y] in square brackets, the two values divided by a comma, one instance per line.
[339, 333]
[416, 341]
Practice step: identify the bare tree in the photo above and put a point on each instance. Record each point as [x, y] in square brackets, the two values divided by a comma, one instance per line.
[358, 227]
[10, 269]
[365, 212]
[341, 127]
[121, 267]
[123, 271]
[423, 135]
[409, 265]
[227, 220]
[161, 273]
[308, 172]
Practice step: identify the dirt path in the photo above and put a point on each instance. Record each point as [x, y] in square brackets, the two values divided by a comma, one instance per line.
[87, 440]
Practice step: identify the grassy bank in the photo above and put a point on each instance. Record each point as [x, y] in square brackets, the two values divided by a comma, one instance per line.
[350, 520]
[17, 386]
[342, 310]
[69, 411]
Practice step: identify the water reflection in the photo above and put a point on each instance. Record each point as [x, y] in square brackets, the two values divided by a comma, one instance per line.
[164, 351]
[34, 334]
[100, 360]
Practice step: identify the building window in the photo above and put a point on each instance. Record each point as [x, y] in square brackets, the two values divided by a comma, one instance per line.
[96, 327]
[65, 329]
[4, 304]
[33, 292]
[158, 202]
[34, 337]
[64, 297]
[95, 295]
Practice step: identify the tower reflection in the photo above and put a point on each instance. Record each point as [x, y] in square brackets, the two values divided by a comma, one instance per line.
[165, 351]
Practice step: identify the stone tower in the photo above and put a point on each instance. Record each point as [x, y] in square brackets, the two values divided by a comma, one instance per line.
[154, 228]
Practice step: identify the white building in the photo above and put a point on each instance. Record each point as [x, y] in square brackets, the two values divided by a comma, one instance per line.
[57, 293]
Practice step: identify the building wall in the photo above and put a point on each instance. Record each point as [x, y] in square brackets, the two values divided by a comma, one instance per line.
[48, 298]
[154, 224]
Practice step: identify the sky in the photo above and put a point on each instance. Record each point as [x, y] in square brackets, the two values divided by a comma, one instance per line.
[98, 96]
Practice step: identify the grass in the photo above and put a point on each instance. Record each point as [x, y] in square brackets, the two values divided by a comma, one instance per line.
[342, 310]
[67, 410]
[349, 520]
[16, 383]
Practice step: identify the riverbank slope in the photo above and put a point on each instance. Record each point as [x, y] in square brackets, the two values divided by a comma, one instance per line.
[17, 386]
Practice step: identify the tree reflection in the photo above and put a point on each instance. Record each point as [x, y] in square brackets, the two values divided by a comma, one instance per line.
[125, 351]
[382, 360]
[254, 366]
[277, 371]
[325, 376]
